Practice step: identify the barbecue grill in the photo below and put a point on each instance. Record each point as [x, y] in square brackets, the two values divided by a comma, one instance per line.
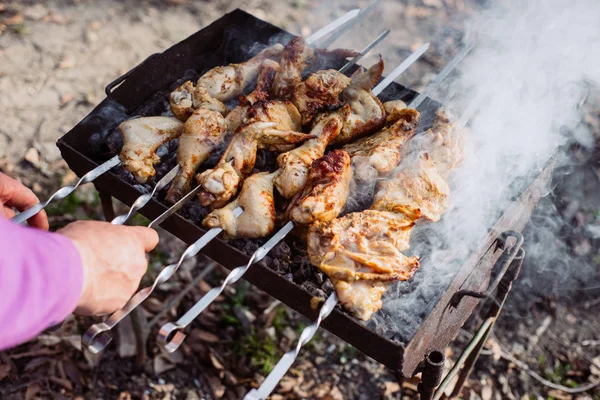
[233, 38]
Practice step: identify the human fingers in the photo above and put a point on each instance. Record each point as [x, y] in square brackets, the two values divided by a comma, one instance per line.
[14, 194]
[148, 237]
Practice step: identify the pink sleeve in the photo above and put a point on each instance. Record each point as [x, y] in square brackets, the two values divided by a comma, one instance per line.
[41, 279]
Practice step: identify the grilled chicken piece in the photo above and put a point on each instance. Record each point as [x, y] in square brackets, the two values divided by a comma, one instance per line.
[225, 83]
[188, 98]
[444, 144]
[141, 138]
[221, 84]
[361, 298]
[367, 113]
[258, 218]
[273, 125]
[326, 190]
[294, 165]
[319, 92]
[360, 252]
[296, 56]
[202, 132]
[415, 189]
[392, 111]
[380, 153]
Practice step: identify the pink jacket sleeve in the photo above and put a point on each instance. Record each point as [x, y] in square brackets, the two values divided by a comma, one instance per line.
[41, 279]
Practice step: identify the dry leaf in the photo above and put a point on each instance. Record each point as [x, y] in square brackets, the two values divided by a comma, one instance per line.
[495, 347]
[162, 364]
[32, 391]
[287, 384]
[16, 19]
[4, 371]
[65, 99]
[204, 336]
[46, 340]
[215, 361]
[204, 287]
[33, 157]
[391, 388]
[65, 383]
[127, 340]
[216, 386]
[335, 394]
[594, 368]
[95, 25]
[66, 63]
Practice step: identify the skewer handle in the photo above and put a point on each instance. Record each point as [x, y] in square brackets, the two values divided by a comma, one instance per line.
[96, 338]
[171, 336]
[67, 190]
[288, 358]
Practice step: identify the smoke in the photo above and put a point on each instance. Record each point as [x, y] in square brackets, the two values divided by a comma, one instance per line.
[534, 62]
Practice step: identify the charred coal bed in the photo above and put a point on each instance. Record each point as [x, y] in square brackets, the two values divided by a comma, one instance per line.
[415, 318]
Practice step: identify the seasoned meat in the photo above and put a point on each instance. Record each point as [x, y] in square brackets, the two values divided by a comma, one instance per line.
[415, 189]
[141, 138]
[381, 152]
[393, 110]
[187, 98]
[228, 82]
[294, 165]
[202, 132]
[274, 125]
[258, 218]
[319, 92]
[326, 190]
[295, 58]
[444, 143]
[367, 114]
[363, 246]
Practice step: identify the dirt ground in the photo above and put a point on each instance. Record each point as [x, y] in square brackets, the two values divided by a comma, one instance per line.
[56, 57]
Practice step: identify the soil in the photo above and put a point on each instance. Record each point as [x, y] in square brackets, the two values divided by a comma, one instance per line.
[55, 59]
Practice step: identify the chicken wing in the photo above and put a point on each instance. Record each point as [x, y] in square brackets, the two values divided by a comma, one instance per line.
[367, 114]
[187, 98]
[141, 138]
[202, 132]
[415, 189]
[225, 83]
[258, 218]
[380, 153]
[318, 92]
[326, 190]
[273, 125]
[294, 165]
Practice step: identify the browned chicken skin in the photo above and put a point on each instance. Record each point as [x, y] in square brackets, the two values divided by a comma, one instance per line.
[220, 84]
[295, 164]
[202, 132]
[274, 125]
[380, 153]
[362, 252]
[325, 192]
[258, 218]
[367, 114]
[393, 111]
[318, 92]
[141, 138]
[415, 189]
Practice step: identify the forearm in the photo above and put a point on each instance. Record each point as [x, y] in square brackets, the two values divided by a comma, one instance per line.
[41, 279]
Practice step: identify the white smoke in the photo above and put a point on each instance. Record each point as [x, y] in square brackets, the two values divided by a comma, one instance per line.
[534, 61]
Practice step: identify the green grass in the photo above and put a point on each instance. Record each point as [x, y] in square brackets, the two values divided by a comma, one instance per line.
[68, 205]
[558, 372]
[260, 349]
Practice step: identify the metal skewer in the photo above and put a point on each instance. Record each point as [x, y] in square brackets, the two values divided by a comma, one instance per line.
[115, 161]
[171, 335]
[284, 364]
[364, 51]
[97, 337]
[67, 190]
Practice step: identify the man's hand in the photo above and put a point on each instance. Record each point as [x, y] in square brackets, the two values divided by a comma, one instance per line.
[14, 195]
[114, 262]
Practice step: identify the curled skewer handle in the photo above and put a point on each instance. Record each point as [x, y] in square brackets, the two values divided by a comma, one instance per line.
[171, 336]
[67, 190]
[145, 198]
[288, 358]
[96, 337]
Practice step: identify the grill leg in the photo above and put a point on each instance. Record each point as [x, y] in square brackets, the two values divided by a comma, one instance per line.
[503, 289]
[107, 205]
[431, 376]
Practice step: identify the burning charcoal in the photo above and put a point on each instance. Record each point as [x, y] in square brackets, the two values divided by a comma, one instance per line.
[289, 277]
[281, 251]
